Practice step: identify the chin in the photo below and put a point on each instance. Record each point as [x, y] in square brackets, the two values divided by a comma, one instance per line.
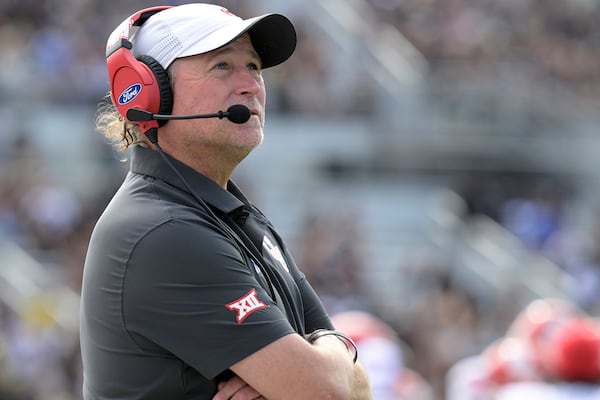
[250, 137]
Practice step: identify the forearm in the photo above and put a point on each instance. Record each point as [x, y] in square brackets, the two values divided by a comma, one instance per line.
[291, 368]
[336, 362]
[358, 378]
[236, 386]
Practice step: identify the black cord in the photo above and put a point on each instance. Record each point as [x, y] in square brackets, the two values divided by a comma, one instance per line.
[236, 237]
[285, 294]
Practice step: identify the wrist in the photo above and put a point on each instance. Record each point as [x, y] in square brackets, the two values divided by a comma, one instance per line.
[346, 340]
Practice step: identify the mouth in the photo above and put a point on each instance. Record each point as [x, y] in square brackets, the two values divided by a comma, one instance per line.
[255, 113]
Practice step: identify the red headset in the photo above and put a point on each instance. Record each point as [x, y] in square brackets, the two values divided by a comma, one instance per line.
[137, 82]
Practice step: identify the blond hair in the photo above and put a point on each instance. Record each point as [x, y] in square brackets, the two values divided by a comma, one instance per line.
[121, 133]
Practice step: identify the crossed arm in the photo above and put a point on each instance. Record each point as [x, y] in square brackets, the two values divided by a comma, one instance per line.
[291, 368]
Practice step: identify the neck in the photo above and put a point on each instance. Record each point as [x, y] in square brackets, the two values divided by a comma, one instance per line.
[211, 163]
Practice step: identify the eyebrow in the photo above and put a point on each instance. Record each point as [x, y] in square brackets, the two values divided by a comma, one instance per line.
[228, 49]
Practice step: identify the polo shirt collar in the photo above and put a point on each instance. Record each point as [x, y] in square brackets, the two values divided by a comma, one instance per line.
[149, 162]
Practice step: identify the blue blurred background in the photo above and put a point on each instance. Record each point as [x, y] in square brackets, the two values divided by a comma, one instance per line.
[432, 162]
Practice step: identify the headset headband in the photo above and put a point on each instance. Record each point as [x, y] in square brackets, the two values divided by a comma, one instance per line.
[121, 37]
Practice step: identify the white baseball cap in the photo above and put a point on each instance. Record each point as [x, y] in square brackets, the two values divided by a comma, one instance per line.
[198, 28]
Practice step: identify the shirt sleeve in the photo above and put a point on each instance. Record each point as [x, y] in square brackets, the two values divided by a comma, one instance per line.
[188, 291]
[315, 314]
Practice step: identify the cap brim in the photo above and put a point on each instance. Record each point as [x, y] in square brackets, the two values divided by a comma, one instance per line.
[273, 37]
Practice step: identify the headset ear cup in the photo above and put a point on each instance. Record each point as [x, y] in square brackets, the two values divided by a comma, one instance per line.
[164, 85]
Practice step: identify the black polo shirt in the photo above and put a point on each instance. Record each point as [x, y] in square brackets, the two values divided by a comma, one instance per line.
[170, 300]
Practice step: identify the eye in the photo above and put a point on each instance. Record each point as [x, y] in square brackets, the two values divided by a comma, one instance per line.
[253, 66]
[222, 66]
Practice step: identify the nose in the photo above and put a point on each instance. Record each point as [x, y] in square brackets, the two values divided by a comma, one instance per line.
[249, 82]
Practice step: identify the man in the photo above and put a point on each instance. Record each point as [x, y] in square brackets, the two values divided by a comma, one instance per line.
[188, 291]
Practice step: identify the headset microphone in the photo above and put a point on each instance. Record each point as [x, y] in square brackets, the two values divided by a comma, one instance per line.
[237, 114]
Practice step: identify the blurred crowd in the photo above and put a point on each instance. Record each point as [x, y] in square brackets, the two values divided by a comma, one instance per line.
[53, 51]
[522, 49]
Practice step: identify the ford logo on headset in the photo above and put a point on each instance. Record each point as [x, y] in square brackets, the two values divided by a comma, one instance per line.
[130, 93]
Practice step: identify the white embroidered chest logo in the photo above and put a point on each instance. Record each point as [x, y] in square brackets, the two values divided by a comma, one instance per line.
[275, 252]
[246, 305]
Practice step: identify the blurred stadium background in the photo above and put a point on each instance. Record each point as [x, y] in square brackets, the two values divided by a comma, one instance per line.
[432, 162]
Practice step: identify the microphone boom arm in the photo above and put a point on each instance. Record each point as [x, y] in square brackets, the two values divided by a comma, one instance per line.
[237, 113]
[220, 115]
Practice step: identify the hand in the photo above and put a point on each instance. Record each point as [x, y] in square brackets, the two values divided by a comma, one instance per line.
[361, 388]
[236, 389]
